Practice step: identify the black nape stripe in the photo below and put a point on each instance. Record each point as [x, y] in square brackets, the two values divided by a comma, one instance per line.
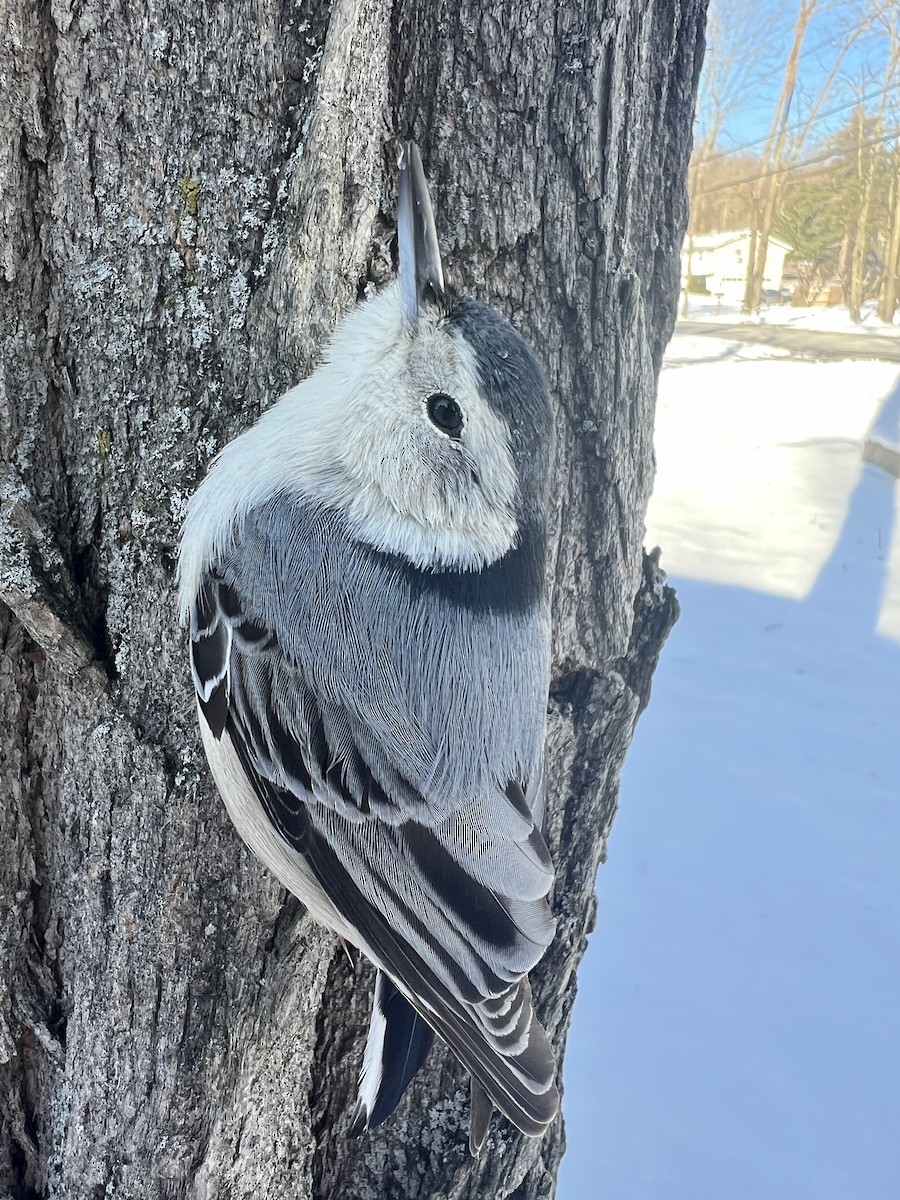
[513, 584]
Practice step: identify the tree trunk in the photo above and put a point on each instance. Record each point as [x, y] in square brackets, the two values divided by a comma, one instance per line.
[192, 194]
[887, 300]
[857, 294]
[748, 305]
[843, 265]
[868, 173]
[888, 290]
[772, 160]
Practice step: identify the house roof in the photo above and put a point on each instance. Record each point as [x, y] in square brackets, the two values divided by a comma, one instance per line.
[715, 241]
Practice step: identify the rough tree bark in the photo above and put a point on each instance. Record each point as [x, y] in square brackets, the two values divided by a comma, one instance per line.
[191, 195]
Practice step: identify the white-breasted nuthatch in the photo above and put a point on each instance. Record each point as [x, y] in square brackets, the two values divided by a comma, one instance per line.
[363, 573]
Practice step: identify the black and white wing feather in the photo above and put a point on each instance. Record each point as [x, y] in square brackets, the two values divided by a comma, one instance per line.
[446, 893]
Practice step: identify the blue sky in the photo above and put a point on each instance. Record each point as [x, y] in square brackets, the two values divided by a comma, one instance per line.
[860, 72]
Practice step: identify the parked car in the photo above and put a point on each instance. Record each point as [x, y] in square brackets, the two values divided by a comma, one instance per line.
[777, 295]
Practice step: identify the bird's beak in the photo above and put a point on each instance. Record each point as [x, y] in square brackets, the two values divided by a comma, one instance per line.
[421, 274]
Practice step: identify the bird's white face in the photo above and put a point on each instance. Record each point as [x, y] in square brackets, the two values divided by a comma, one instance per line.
[405, 443]
[394, 432]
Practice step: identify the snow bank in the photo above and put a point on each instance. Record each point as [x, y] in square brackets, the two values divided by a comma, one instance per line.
[835, 319]
[736, 1028]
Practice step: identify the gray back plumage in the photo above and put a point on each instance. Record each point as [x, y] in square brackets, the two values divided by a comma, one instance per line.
[444, 675]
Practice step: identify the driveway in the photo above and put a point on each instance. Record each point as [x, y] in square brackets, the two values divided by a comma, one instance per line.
[806, 343]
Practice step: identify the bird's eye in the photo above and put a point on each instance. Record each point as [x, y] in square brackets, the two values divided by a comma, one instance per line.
[444, 412]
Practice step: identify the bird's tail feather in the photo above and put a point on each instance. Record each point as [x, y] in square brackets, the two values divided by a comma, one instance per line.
[480, 1110]
[397, 1046]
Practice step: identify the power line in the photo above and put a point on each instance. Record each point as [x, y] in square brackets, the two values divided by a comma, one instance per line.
[799, 124]
[865, 30]
[806, 162]
[825, 43]
[831, 40]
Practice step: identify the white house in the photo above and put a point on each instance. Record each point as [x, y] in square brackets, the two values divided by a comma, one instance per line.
[720, 260]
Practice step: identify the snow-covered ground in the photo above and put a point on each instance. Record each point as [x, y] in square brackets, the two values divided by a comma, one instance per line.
[737, 1027]
[834, 319]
